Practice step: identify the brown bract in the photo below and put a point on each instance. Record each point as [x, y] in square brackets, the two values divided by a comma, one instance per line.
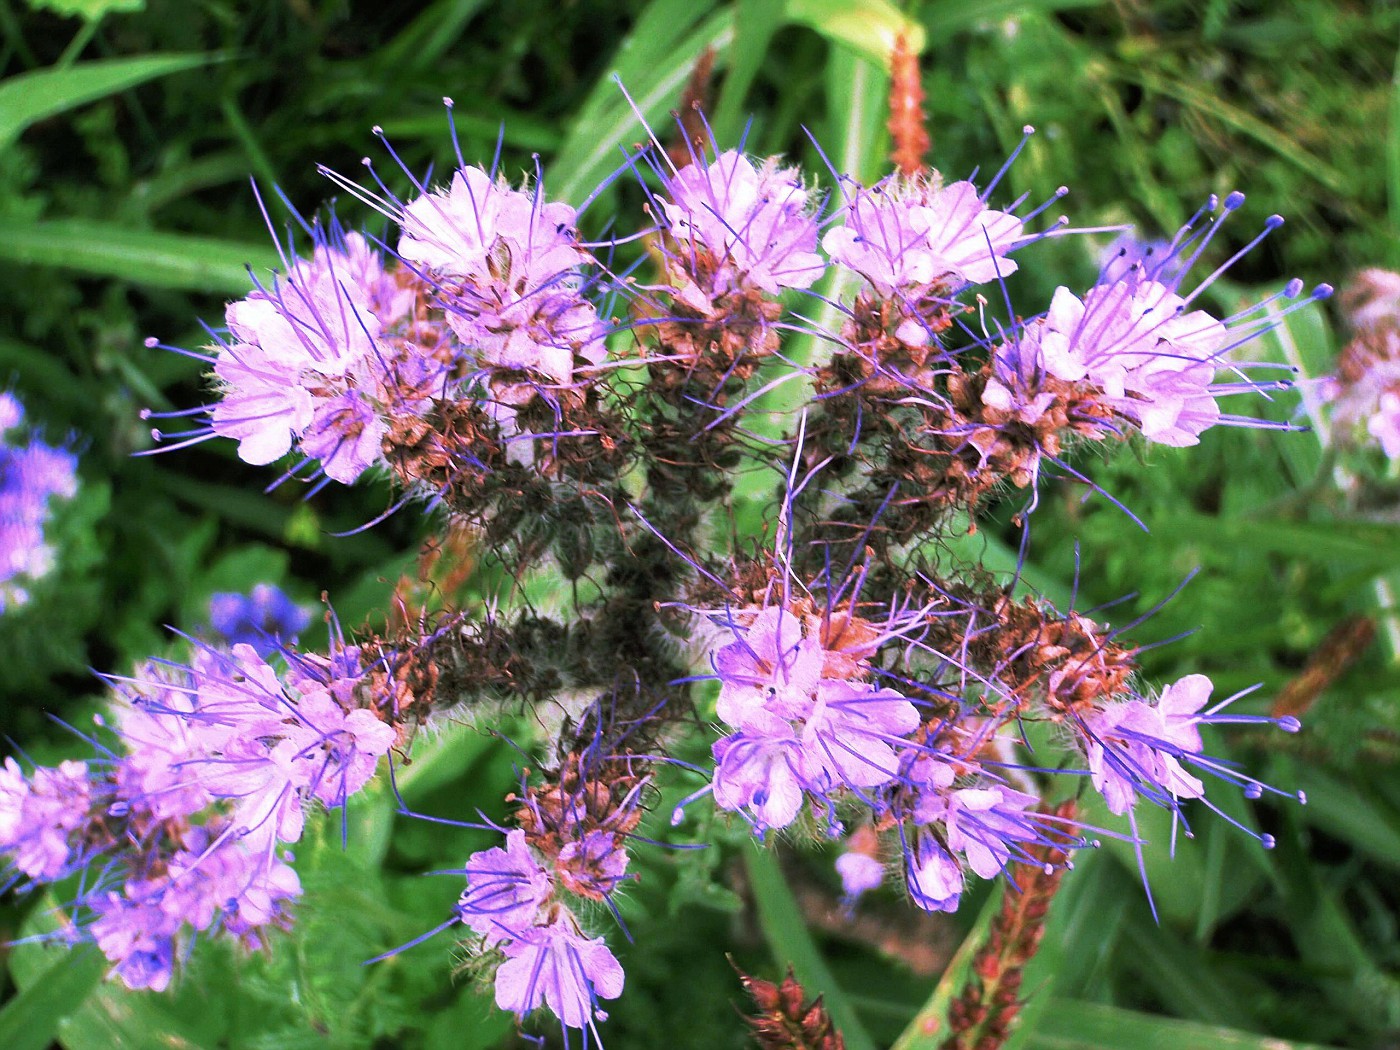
[785, 1020]
[582, 797]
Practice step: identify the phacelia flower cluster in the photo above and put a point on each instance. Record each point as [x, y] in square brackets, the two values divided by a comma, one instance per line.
[1365, 391]
[33, 475]
[182, 828]
[592, 418]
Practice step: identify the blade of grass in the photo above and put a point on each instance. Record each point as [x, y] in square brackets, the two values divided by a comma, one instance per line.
[653, 63]
[755, 22]
[31, 97]
[926, 1030]
[30, 1020]
[1392, 156]
[1069, 1025]
[427, 38]
[855, 90]
[868, 27]
[168, 260]
[792, 943]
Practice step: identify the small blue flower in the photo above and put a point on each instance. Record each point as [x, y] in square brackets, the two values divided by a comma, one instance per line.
[263, 618]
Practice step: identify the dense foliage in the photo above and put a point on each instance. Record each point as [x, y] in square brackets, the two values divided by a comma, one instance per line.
[127, 215]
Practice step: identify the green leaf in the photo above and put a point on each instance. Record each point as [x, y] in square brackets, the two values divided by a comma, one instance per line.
[928, 1029]
[1349, 812]
[92, 10]
[869, 27]
[31, 97]
[652, 65]
[1069, 1025]
[755, 22]
[169, 260]
[945, 17]
[792, 943]
[1392, 157]
[30, 1020]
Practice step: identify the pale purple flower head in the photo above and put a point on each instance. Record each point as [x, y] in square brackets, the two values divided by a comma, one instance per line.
[849, 735]
[934, 878]
[292, 347]
[262, 618]
[209, 880]
[860, 873]
[1128, 255]
[1154, 361]
[32, 475]
[758, 770]
[38, 815]
[1365, 395]
[138, 937]
[505, 890]
[346, 434]
[593, 865]
[261, 743]
[770, 666]
[508, 270]
[558, 967]
[1134, 746]
[905, 237]
[754, 224]
[1384, 424]
[798, 731]
[986, 823]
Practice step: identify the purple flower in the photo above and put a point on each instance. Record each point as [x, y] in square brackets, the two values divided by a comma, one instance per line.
[934, 878]
[1127, 255]
[346, 435]
[736, 226]
[454, 232]
[261, 745]
[262, 618]
[294, 346]
[505, 890]
[1154, 362]
[320, 360]
[558, 967]
[508, 272]
[243, 889]
[797, 729]
[164, 745]
[985, 823]
[859, 873]
[32, 475]
[906, 236]
[848, 737]
[1384, 424]
[759, 769]
[593, 865]
[1134, 746]
[138, 937]
[38, 816]
[1365, 395]
[770, 667]
[11, 412]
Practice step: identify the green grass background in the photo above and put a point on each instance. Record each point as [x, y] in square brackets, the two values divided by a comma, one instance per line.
[129, 134]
